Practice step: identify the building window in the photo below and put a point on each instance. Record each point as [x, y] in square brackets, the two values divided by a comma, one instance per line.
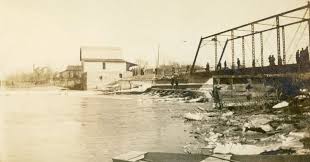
[103, 65]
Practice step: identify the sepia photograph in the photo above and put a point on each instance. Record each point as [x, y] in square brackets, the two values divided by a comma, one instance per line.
[154, 81]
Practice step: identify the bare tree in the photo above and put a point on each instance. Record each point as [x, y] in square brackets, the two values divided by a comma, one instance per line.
[142, 63]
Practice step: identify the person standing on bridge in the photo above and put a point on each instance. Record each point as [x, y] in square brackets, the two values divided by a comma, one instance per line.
[307, 55]
[238, 63]
[272, 60]
[207, 67]
[219, 66]
[302, 56]
[280, 61]
[297, 57]
[253, 63]
[225, 65]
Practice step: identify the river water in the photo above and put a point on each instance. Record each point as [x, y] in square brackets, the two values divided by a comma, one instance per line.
[69, 126]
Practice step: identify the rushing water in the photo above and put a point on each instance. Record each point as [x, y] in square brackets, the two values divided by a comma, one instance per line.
[49, 126]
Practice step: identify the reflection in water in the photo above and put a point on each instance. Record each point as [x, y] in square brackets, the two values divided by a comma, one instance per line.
[49, 127]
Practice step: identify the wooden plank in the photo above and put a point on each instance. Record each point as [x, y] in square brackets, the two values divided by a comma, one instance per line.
[131, 156]
[218, 158]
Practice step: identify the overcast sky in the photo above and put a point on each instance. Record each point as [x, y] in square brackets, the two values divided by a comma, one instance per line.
[50, 32]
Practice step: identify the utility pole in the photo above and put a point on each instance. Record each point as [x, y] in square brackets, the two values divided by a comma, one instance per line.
[157, 64]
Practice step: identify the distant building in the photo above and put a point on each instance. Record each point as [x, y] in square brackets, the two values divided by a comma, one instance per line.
[103, 66]
[71, 78]
[72, 71]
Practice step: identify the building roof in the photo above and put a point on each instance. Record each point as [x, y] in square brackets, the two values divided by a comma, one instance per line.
[102, 60]
[100, 53]
[131, 64]
[109, 60]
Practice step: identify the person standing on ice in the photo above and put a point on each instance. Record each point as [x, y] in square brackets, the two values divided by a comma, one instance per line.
[216, 97]
[172, 81]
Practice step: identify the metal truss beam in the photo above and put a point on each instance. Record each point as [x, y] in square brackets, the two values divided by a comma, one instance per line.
[265, 24]
[278, 41]
[262, 31]
[253, 45]
[257, 21]
[215, 48]
[283, 44]
[232, 51]
[261, 50]
[243, 53]
[293, 17]
[222, 54]
[193, 65]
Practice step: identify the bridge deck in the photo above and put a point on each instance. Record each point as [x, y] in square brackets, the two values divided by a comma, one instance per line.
[282, 70]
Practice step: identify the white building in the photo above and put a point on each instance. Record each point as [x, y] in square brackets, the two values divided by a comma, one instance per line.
[103, 66]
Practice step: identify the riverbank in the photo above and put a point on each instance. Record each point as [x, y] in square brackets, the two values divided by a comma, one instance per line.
[271, 128]
[249, 128]
[266, 126]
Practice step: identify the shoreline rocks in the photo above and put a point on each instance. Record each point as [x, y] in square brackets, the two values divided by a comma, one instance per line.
[255, 129]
